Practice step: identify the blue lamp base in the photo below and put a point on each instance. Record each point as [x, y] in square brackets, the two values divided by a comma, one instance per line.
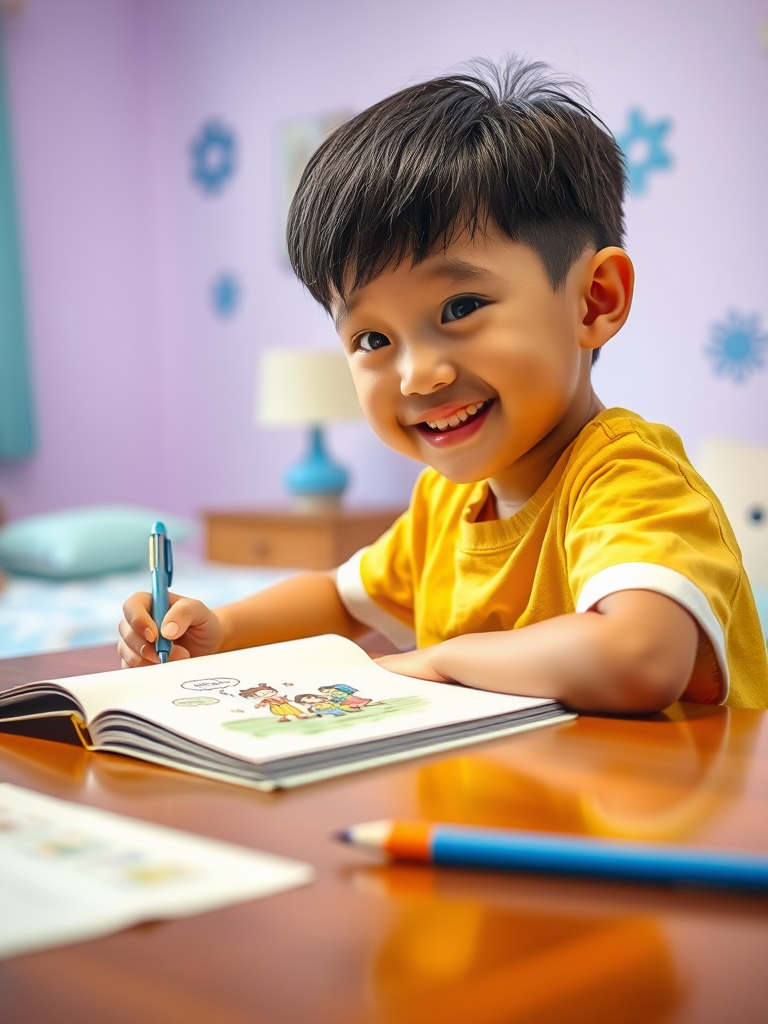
[316, 483]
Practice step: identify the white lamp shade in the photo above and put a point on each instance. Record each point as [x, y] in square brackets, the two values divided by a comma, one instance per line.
[304, 387]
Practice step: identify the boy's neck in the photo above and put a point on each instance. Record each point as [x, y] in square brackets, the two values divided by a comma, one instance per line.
[520, 481]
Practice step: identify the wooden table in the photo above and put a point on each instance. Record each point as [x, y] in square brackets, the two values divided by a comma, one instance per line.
[367, 944]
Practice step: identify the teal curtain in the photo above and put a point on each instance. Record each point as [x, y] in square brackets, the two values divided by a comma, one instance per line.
[17, 433]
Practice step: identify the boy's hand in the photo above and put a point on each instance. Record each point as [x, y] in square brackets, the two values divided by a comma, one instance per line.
[412, 663]
[193, 628]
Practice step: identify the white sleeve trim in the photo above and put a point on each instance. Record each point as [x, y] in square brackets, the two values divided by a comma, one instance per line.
[662, 580]
[362, 607]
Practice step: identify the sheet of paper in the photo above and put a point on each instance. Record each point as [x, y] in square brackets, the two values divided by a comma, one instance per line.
[70, 873]
[286, 699]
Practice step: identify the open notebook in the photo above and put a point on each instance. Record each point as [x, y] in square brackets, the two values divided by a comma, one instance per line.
[275, 716]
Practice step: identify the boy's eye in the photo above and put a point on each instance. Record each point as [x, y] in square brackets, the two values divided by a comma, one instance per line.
[369, 341]
[458, 308]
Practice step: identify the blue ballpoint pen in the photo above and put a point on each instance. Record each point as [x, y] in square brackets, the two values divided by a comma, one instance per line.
[161, 571]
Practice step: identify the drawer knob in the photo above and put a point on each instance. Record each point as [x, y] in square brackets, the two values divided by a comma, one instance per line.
[261, 547]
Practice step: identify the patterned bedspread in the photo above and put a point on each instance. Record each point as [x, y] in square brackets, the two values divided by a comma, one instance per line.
[39, 615]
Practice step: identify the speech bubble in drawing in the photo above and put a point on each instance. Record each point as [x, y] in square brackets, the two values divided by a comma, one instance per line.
[194, 702]
[217, 683]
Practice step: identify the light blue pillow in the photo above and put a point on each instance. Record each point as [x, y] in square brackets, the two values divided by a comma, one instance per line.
[85, 541]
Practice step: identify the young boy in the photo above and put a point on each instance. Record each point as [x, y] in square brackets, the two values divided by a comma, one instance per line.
[465, 234]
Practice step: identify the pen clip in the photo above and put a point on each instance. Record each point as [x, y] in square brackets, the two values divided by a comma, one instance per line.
[169, 560]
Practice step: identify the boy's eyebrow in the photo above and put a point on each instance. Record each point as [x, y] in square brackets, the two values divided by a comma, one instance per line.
[450, 268]
[456, 269]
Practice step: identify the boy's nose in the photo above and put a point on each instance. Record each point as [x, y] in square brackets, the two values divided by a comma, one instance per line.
[424, 369]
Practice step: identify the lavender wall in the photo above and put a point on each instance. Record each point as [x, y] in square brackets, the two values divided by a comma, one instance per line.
[122, 247]
[78, 110]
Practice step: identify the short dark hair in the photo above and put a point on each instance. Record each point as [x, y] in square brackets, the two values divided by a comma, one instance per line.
[511, 144]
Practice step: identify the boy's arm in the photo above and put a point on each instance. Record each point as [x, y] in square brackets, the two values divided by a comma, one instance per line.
[633, 653]
[305, 605]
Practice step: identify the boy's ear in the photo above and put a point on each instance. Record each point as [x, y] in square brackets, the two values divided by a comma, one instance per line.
[609, 282]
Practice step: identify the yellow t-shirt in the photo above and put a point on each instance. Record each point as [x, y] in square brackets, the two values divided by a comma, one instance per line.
[623, 509]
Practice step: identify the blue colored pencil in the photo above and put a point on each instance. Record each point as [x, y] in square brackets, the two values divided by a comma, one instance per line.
[560, 854]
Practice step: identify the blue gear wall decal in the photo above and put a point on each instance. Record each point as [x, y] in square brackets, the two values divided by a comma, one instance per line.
[643, 146]
[225, 294]
[736, 346]
[213, 154]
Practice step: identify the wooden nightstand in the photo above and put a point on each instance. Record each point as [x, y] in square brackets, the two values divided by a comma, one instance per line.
[304, 541]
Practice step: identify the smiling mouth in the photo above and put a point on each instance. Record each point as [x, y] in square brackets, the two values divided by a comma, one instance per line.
[458, 425]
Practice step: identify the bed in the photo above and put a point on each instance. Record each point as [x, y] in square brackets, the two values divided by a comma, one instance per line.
[39, 615]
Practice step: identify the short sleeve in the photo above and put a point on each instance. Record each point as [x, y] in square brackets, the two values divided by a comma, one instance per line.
[376, 585]
[641, 521]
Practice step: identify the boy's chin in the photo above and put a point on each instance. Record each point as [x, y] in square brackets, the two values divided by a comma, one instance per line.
[458, 471]
[457, 474]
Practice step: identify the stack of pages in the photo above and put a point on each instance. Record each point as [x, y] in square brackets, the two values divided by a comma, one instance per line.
[275, 716]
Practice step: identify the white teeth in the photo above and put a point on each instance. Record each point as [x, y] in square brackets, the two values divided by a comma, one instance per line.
[456, 418]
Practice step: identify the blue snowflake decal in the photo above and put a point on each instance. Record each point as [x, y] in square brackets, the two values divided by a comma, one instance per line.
[213, 156]
[225, 294]
[737, 345]
[643, 146]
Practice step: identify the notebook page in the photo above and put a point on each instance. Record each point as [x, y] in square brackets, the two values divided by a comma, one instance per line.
[71, 873]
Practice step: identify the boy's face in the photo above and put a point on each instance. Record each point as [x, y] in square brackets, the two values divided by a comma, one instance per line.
[470, 360]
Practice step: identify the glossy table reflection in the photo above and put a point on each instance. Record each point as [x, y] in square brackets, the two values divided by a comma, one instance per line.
[373, 943]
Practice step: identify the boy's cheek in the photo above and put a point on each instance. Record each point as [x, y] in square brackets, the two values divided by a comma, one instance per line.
[400, 440]
[382, 418]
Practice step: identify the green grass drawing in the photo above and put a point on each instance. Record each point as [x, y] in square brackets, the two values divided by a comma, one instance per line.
[264, 727]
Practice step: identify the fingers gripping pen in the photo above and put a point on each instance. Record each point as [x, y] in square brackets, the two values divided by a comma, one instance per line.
[161, 572]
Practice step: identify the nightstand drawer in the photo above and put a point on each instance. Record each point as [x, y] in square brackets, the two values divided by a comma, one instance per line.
[319, 541]
[272, 545]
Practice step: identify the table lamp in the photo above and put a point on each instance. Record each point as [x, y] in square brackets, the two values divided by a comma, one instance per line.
[299, 387]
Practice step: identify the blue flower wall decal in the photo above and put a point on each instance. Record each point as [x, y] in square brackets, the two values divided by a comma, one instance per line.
[737, 345]
[643, 146]
[225, 294]
[213, 154]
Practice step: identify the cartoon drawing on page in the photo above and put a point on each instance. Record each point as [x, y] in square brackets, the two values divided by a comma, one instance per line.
[228, 691]
[278, 704]
[332, 706]
[343, 696]
[203, 688]
[319, 712]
